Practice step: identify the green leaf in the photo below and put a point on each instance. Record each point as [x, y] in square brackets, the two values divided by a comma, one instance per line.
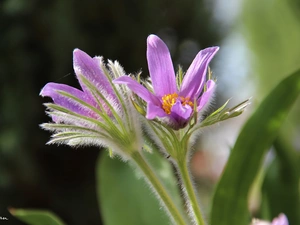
[36, 217]
[124, 196]
[231, 195]
[283, 174]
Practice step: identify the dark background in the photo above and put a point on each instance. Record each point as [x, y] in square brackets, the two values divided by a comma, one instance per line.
[37, 39]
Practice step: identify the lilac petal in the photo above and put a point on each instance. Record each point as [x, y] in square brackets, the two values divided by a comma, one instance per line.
[160, 67]
[90, 68]
[154, 111]
[51, 90]
[280, 220]
[207, 95]
[181, 111]
[137, 88]
[195, 77]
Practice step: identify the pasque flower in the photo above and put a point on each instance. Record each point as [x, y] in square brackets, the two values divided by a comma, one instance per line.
[101, 114]
[85, 68]
[171, 101]
[96, 115]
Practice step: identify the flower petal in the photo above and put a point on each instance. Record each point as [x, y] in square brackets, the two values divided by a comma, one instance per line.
[51, 90]
[154, 111]
[90, 68]
[137, 88]
[280, 220]
[160, 67]
[182, 112]
[194, 79]
[207, 95]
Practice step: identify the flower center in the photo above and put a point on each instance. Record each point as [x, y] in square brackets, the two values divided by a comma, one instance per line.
[169, 100]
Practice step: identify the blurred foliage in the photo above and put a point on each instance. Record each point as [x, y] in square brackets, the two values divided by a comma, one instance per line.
[36, 217]
[37, 39]
[133, 203]
[272, 31]
[280, 190]
[245, 161]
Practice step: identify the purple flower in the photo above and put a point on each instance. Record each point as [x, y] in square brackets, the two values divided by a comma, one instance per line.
[280, 220]
[169, 100]
[87, 68]
[96, 115]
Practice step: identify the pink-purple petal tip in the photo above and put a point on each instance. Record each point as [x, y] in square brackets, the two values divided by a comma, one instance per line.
[89, 67]
[280, 220]
[160, 67]
[53, 90]
[195, 77]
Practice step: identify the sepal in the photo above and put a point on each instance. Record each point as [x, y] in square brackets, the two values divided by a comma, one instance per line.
[224, 113]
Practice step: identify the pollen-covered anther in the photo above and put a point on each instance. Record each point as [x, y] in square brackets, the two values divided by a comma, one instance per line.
[186, 101]
[169, 100]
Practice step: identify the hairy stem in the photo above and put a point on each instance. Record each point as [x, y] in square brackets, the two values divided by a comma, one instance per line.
[191, 193]
[159, 188]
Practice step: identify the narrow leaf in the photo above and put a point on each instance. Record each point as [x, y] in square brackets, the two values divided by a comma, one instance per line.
[230, 198]
[280, 188]
[36, 217]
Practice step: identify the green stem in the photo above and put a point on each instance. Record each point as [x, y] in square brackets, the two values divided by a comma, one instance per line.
[190, 191]
[159, 188]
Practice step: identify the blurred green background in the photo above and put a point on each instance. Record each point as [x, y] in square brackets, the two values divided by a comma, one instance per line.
[259, 43]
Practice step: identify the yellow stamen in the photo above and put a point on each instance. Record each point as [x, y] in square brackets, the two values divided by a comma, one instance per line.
[169, 100]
